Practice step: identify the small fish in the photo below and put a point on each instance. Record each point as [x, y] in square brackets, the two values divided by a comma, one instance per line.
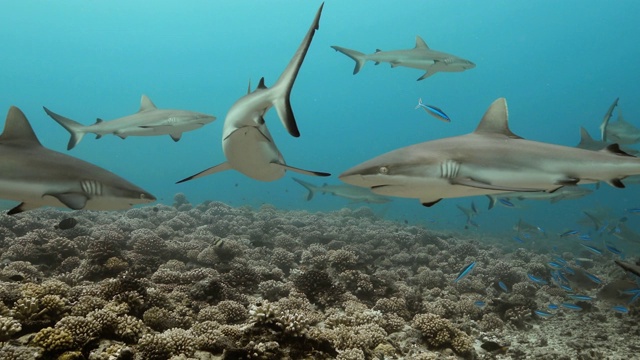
[592, 249]
[479, 303]
[492, 346]
[467, 269]
[580, 297]
[585, 237]
[566, 288]
[553, 306]
[571, 306]
[569, 233]
[612, 249]
[543, 313]
[560, 260]
[433, 111]
[630, 291]
[503, 286]
[620, 309]
[218, 242]
[518, 239]
[569, 270]
[593, 278]
[506, 202]
[66, 224]
[554, 265]
[634, 211]
[634, 298]
[474, 208]
[537, 280]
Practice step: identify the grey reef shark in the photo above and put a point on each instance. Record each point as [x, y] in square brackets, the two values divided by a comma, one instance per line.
[491, 160]
[148, 121]
[246, 141]
[619, 131]
[564, 193]
[420, 57]
[37, 176]
[353, 193]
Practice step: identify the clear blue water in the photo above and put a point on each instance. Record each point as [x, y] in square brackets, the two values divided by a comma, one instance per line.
[559, 64]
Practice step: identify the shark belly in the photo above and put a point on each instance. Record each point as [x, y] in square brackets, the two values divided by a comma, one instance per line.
[248, 151]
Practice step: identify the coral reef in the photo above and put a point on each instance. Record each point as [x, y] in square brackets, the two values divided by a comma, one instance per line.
[185, 281]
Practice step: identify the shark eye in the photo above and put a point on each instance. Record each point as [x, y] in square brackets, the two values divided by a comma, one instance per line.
[383, 170]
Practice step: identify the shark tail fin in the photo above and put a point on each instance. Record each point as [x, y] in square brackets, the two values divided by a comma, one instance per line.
[73, 127]
[357, 56]
[492, 201]
[310, 187]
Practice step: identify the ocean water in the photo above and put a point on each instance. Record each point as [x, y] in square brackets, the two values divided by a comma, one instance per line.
[558, 65]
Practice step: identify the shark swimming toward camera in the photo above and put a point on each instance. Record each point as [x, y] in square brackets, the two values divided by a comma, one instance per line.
[353, 193]
[148, 121]
[36, 176]
[491, 160]
[420, 57]
[246, 141]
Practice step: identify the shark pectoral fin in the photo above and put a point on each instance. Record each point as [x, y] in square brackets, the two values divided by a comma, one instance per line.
[75, 201]
[616, 183]
[301, 171]
[483, 185]
[285, 113]
[212, 170]
[429, 202]
[176, 137]
[492, 201]
[120, 135]
[22, 207]
[426, 75]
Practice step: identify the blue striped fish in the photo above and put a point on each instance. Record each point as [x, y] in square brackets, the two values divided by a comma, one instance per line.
[433, 111]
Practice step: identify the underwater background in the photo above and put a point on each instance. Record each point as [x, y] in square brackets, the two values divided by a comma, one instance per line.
[559, 65]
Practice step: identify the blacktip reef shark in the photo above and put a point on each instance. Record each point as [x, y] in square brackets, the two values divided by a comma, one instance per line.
[491, 160]
[148, 121]
[353, 193]
[619, 131]
[246, 141]
[37, 176]
[420, 57]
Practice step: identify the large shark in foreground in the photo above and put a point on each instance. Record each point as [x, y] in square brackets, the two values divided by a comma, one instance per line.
[148, 121]
[37, 176]
[420, 57]
[491, 160]
[246, 141]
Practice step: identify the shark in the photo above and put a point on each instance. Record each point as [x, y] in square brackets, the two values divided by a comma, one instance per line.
[246, 142]
[490, 160]
[564, 193]
[36, 176]
[148, 121]
[420, 57]
[619, 131]
[353, 193]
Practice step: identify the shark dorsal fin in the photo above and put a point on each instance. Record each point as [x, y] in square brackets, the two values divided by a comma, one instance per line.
[17, 128]
[420, 44]
[261, 84]
[584, 135]
[496, 120]
[98, 121]
[378, 50]
[146, 104]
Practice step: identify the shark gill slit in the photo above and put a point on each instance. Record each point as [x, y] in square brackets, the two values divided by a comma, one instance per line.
[91, 187]
[449, 169]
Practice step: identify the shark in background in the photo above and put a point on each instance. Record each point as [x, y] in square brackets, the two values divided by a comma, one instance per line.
[564, 193]
[353, 193]
[148, 121]
[491, 160]
[619, 131]
[246, 141]
[420, 57]
[36, 176]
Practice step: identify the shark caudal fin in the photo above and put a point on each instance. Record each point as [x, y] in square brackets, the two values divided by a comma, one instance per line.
[73, 127]
[605, 120]
[310, 187]
[288, 77]
[357, 56]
